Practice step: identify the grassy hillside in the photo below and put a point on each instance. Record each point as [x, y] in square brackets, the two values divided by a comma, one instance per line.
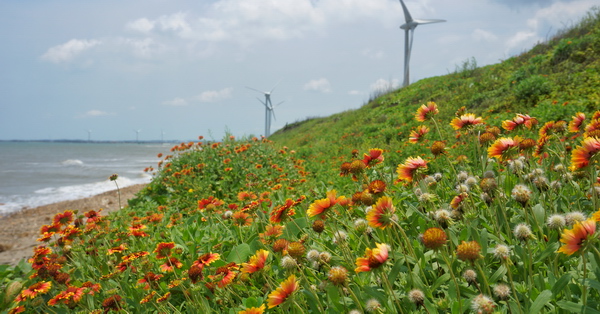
[410, 204]
[553, 81]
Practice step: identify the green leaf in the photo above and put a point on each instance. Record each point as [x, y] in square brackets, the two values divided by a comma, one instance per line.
[561, 284]
[498, 274]
[593, 284]
[539, 213]
[540, 301]
[239, 254]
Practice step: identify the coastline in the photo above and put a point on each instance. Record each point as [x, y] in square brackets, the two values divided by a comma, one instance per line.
[20, 230]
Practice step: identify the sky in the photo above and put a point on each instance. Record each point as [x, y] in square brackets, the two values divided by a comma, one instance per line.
[178, 69]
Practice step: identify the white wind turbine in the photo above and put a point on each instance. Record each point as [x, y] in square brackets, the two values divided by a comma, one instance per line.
[269, 108]
[409, 30]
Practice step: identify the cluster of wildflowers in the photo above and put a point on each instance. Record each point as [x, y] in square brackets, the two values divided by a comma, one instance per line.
[252, 227]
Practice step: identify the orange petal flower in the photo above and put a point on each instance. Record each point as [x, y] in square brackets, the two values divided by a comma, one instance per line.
[465, 121]
[434, 238]
[279, 213]
[374, 157]
[253, 310]
[319, 207]
[35, 289]
[407, 170]
[500, 148]
[518, 120]
[417, 134]
[468, 251]
[576, 122]
[163, 249]
[373, 258]
[283, 292]
[581, 156]
[573, 239]
[256, 263]
[382, 214]
[206, 260]
[426, 111]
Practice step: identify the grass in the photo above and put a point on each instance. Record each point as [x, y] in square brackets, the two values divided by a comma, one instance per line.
[489, 208]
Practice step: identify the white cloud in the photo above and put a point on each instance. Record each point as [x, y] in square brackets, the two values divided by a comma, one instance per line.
[373, 54]
[355, 93]
[94, 113]
[68, 50]
[214, 95]
[146, 48]
[176, 102]
[142, 25]
[483, 35]
[320, 85]
[382, 85]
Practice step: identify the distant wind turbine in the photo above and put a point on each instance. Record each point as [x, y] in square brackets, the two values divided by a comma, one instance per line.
[409, 30]
[137, 135]
[89, 135]
[269, 108]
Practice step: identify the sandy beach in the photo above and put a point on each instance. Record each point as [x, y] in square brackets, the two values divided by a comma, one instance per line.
[19, 231]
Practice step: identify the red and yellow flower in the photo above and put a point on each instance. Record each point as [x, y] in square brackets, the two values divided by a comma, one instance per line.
[503, 147]
[465, 121]
[407, 170]
[417, 134]
[382, 214]
[575, 238]
[374, 157]
[279, 213]
[163, 249]
[426, 112]
[583, 154]
[253, 310]
[373, 258]
[256, 263]
[519, 120]
[283, 292]
[34, 290]
[576, 122]
[320, 207]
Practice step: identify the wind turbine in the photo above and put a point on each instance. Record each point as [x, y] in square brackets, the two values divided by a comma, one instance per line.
[269, 108]
[89, 135]
[137, 135]
[409, 30]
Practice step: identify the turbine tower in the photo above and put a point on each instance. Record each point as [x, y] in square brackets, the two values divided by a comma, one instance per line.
[269, 108]
[409, 30]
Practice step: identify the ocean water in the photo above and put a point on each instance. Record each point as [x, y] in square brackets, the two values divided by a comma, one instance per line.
[40, 173]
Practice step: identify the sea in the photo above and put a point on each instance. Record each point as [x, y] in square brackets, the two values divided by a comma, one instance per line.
[33, 174]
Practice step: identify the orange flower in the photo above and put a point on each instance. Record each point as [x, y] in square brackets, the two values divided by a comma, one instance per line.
[374, 157]
[225, 275]
[576, 122]
[64, 218]
[170, 265]
[376, 187]
[592, 128]
[468, 251]
[382, 214]
[320, 207]
[373, 258]
[280, 212]
[434, 238]
[253, 310]
[518, 120]
[271, 233]
[426, 111]
[163, 249]
[34, 290]
[573, 239]
[465, 121]
[206, 259]
[407, 170]
[241, 218]
[256, 263]
[283, 292]
[582, 155]
[209, 203]
[502, 147]
[417, 134]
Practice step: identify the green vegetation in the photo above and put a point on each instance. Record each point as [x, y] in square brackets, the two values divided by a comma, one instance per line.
[408, 204]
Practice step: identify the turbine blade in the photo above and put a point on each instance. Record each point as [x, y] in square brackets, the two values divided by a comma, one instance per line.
[428, 21]
[262, 102]
[273, 112]
[256, 90]
[272, 89]
[279, 104]
[407, 16]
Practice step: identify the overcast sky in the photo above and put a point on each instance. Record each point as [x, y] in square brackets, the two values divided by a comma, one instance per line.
[182, 67]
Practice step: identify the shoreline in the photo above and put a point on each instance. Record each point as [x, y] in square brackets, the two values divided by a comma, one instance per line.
[20, 230]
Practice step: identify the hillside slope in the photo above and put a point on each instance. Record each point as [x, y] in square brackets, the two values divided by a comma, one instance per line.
[553, 81]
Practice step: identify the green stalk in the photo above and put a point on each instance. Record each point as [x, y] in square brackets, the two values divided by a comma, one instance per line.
[443, 253]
